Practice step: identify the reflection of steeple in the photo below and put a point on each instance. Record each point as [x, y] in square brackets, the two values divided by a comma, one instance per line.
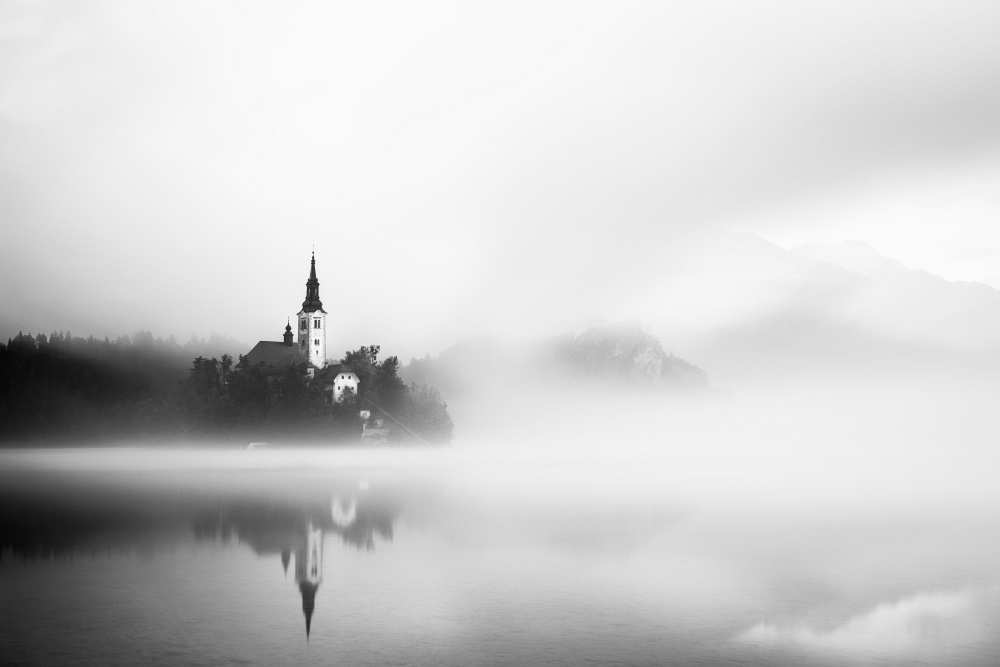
[286, 555]
[308, 591]
[309, 570]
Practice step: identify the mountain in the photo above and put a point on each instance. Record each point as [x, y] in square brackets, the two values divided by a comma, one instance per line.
[744, 306]
[624, 354]
[855, 256]
[620, 356]
[894, 301]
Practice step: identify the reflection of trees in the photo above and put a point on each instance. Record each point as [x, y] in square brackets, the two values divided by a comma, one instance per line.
[44, 522]
[270, 527]
[55, 526]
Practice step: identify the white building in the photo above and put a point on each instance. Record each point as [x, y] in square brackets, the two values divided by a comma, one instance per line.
[343, 381]
[312, 321]
[275, 357]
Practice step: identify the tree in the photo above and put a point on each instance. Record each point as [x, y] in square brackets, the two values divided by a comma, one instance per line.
[428, 414]
[390, 387]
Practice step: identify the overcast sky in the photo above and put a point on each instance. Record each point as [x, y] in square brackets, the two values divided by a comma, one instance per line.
[470, 167]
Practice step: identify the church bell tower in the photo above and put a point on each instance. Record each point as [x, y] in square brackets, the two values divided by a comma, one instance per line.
[312, 321]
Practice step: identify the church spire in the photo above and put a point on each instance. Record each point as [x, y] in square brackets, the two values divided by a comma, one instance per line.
[312, 302]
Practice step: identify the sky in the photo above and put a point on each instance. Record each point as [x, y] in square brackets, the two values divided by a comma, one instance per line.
[467, 168]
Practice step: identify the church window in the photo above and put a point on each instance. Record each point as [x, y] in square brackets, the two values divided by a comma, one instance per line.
[316, 342]
[302, 324]
[316, 323]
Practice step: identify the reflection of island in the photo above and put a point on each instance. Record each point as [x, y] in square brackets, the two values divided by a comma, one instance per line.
[272, 528]
[56, 519]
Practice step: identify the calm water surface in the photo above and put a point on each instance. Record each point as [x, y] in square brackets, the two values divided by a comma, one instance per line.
[245, 558]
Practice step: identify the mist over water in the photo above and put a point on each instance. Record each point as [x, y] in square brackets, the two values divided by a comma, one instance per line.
[828, 524]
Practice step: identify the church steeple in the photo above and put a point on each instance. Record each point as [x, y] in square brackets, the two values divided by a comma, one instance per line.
[288, 333]
[312, 321]
[312, 302]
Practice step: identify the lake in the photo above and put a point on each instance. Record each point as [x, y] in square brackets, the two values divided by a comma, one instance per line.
[184, 556]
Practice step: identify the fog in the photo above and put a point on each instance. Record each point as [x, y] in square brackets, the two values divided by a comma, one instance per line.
[710, 291]
[807, 527]
[523, 170]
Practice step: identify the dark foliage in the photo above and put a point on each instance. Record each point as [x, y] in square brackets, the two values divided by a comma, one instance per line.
[409, 411]
[85, 387]
[60, 386]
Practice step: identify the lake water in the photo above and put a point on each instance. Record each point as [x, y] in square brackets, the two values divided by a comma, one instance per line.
[427, 557]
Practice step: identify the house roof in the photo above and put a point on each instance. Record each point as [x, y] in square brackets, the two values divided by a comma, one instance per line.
[275, 355]
[330, 372]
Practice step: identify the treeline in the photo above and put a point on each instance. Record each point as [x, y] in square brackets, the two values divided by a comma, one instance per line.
[65, 386]
[219, 394]
[61, 387]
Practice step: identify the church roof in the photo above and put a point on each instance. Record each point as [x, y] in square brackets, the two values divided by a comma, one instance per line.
[275, 355]
[312, 302]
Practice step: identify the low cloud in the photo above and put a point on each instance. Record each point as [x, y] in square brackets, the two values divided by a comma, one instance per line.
[920, 624]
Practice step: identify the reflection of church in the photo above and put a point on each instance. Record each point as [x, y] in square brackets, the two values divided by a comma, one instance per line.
[299, 531]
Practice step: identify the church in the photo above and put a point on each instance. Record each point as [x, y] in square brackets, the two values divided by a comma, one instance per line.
[308, 347]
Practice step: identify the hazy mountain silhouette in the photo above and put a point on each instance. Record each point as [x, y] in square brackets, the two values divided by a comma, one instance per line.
[913, 305]
[742, 305]
[620, 355]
